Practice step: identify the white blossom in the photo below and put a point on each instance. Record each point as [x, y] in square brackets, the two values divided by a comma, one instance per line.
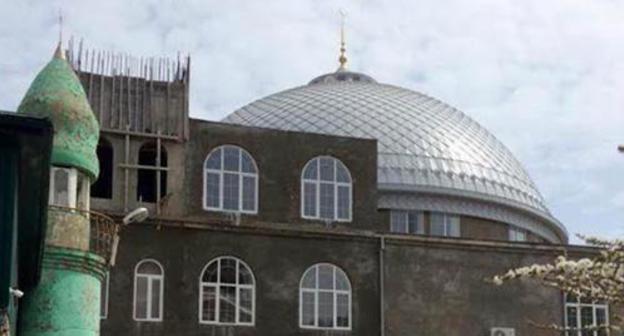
[597, 278]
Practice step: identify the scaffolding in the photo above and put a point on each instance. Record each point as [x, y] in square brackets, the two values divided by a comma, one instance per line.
[138, 99]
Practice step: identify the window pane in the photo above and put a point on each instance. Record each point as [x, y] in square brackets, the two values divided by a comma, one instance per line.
[309, 279]
[231, 159]
[61, 185]
[327, 169]
[341, 173]
[415, 223]
[140, 305]
[245, 305]
[249, 193]
[342, 283]
[517, 235]
[587, 319]
[228, 270]
[326, 277]
[244, 276]
[230, 191]
[453, 226]
[326, 309]
[344, 202]
[209, 304]
[247, 163]
[342, 310]
[227, 304]
[327, 201]
[214, 160]
[521, 236]
[309, 199]
[210, 274]
[572, 317]
[437, 225]
[398, 221]
[307, 309]
[601, 320]
[212, 190]
[311, 170]
[156, 283]
[149, 267]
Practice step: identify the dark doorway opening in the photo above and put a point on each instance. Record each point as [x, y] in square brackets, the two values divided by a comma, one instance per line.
[103, 186]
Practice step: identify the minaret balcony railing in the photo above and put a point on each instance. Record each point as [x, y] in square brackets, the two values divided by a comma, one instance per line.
[99, 234]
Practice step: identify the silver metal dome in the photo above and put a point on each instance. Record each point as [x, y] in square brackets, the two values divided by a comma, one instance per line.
[424, 144]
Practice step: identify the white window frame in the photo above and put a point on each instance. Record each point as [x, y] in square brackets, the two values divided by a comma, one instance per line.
[517, 235]
[241, 176]
[150, 279]
[578, 305]
[217, 288]
[447, 220]
[72, 187]
[83, 196]
[420, 225]
[317, 290]
[335, 184]
[105, 286]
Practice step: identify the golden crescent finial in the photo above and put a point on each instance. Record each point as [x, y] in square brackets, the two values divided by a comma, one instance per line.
[343, 58]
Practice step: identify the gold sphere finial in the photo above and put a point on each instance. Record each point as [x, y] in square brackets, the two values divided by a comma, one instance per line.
[343, 57]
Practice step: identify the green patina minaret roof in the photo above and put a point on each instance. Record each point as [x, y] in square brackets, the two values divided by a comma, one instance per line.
[57, 94]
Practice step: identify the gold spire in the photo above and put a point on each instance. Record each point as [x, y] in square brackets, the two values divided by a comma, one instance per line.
[343, 58]
[58, 53]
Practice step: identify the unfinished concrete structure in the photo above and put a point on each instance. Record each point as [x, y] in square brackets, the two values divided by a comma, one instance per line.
[343, 206]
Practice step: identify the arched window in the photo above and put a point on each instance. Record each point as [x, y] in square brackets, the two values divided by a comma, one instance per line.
[325, 298]
[147, 177]
[103, 186]
[149, 279]
[230, 180]
[227, 293]
[326, 190]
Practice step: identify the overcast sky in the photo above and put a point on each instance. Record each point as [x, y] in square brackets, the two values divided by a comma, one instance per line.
[545, 77]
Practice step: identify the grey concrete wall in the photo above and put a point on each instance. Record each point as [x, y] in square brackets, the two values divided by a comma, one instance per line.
[280, 157]
[440, 289]
[277, 263]
[433, 286]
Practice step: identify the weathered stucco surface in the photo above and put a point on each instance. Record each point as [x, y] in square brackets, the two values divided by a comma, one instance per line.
[68, 229]
[67, 300]
[57, 94]
[432, 286]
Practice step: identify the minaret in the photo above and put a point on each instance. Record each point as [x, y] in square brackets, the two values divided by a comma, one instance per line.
[67, 299]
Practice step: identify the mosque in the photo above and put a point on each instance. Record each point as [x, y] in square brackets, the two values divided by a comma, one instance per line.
[344, 206]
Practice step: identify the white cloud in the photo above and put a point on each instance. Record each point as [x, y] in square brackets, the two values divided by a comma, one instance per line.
[546, 77]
